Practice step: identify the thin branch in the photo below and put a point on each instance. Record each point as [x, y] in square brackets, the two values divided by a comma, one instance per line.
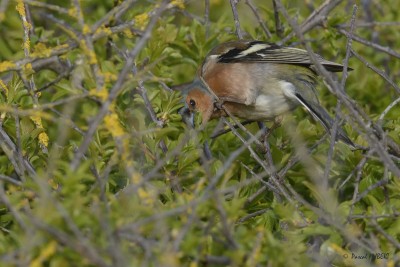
[378, 47]
[47, 6]
[278, 24]
[318, 17]
[252, 215]
[11, 180]
[370, 24]
[370, 188]
[336, 120]
[207, 17]
[235, 13]
[363, 216]
[88, 48]
[10, 149]
[390, 238]
[259, 18]
[15, 213]
[387, 109]
[375, 69]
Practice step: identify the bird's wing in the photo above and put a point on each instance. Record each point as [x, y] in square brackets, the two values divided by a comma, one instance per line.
[263, 52]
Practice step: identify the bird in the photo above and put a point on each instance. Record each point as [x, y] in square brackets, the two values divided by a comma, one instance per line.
[257, 81]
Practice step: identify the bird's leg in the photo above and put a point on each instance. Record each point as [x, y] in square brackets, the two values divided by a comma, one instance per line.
[219, 105]
[266, 150]
[207, 150]
[277, 123]
[264, 134]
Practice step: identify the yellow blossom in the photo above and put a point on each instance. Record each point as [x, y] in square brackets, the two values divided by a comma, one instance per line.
[27, 68]
[178, 3]
[43, 139]
[113, 125]
[86, 29]
[6, 65]
[128, 33]
[37, 121]
[102, 94]
[41, 50]
[103, 30]
[27, 44]
[72, 12]
[27, 25]
[20, 8]
[141, 20]
[88, 52]
[110, 77]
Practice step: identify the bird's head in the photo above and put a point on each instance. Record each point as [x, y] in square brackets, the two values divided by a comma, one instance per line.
[197, 99]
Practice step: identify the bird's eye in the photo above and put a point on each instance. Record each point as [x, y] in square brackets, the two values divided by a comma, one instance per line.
[192, 103]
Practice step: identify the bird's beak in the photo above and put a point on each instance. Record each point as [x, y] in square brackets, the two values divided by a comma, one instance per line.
[187, 116]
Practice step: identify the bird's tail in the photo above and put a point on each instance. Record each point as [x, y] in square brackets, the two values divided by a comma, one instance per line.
[322, 116]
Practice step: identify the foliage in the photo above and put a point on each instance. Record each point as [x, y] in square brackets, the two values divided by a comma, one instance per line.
[97, 168]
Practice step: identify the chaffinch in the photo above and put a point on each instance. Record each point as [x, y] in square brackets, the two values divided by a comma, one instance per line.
[258, 81]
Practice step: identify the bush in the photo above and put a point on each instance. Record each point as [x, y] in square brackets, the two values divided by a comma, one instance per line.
[98, 169]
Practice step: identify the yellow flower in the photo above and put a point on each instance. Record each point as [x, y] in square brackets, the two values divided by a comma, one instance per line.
[101, 94]
[6, 65]
[37, 121]
[112, 123]
[21, 8]
[43, 139]
[141, 20]
[178, 3]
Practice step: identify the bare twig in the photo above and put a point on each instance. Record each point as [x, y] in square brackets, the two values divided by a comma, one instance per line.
[363, 216]
[207, 17]
[87, 46]
[258, 16]
[370, 24]
[8, 179]
[387, 109]
[16, 214]
[336, 120]
[9, 148]
[47, 6]
[378, 47]
[118, 10]
[370, 188]
[235, 13]
[278, 24]
[252, 215]
[380, 230]
[316, 18]
[375, 69]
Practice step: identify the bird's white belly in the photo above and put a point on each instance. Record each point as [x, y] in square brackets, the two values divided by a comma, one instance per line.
[269, 106]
